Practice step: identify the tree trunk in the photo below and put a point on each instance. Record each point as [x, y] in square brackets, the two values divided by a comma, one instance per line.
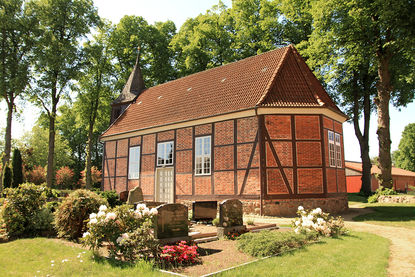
[50, 175]
[382, 102]
[362, 138]
[88, 157]
[7, 136]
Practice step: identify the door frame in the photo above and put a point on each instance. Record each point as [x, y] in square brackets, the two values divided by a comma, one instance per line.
[157, 184]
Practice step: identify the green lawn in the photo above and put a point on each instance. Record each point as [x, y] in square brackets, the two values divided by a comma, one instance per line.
[399, 215]
[33, 257]
[359, 254]
[356, 199]
[346, 256]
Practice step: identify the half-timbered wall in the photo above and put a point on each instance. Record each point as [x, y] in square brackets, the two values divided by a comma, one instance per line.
[234, 156]
[294, 163]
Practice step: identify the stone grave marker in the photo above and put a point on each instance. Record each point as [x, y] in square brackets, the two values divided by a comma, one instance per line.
[135, 195]
[204, 210]
[124, 196]
[171, 223]
[230, 217]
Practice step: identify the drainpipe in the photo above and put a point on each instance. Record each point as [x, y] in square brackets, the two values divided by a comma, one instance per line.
[261, 160]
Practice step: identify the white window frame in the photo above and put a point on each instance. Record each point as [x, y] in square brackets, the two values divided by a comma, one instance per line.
[134, 162]
[164, 163]
[331, 149]
[203, 157]
[338, 150]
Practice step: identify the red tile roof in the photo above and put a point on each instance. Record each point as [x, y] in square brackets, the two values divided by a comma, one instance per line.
[278, 78]
[375, 169]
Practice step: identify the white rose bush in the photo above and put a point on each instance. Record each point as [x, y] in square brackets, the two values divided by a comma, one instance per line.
[317, 221]
[126, 232]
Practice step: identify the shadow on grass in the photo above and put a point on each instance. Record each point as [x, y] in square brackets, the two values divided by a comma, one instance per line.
[356, 197]
[388, 213]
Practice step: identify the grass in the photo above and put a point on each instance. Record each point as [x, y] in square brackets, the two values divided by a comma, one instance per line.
[357, 254]
[398, 215]
[32, 257]
[356, 199]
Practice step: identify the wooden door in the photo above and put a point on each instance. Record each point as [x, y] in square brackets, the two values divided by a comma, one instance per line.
[164, 185]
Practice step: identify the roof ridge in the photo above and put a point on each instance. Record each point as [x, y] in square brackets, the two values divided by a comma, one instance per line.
[221, 66]
[274, 75]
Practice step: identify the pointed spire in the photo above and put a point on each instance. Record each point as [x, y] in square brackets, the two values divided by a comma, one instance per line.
[135, 83]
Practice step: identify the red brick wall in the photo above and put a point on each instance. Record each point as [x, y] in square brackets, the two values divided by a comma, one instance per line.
[205, 129]
[203, 185]
[184, 184]
[307, 127]
[224, 133]
[165, 136]
[224, 183]
[224, 158]
[310, 180]
[278, 126]
[246, 129]
[184, 139]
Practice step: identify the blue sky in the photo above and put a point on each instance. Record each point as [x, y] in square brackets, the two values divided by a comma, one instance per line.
[180, 10]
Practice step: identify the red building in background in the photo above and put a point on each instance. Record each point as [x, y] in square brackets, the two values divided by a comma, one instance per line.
[402, 179]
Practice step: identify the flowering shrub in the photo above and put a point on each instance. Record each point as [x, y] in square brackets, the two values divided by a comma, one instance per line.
[37, 175]
[71, 215]
[126, 232]
[21, 208]
[64, 178]
[316, 220]
[96, 177]
[180, 254]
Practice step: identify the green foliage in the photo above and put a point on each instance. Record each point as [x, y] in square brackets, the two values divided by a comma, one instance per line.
[43, 222]
[155, 57]
[17, 36]
[7, 177]
[267, 243]
[71, 215]
[65, 178]
[127, 232]
[405, 155]
[17, 166]
[35, 144]
[22, 210]
[112, 197]
[215, 222]
[380, 191]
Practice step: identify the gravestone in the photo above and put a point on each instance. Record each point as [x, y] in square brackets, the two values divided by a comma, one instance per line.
[204, 210]
[171, 223]
[134, 196]
[230, 217]
[124, 196]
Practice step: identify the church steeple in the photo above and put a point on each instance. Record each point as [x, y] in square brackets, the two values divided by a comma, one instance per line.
[133, 87]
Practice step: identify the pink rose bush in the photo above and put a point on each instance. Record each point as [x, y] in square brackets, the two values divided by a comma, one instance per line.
[126, 232]
[317, 221]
